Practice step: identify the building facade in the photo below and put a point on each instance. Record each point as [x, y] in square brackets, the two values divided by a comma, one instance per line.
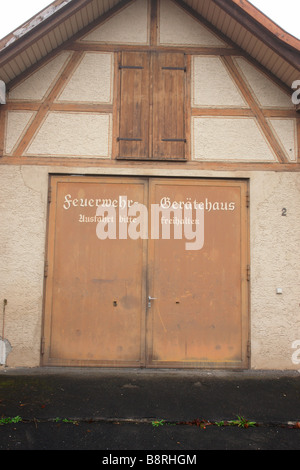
[150, 189]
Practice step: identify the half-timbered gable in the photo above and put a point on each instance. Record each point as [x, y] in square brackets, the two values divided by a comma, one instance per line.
[170, 88]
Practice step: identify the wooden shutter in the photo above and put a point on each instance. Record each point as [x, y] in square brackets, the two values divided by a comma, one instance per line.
[169, 89]
[134, 105]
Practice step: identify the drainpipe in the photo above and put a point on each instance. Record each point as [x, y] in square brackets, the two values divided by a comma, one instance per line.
[3, 348]
[3, 352]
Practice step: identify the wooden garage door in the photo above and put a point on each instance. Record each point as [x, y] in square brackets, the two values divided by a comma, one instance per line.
[95, 299]
[146, 273]
[199, 281]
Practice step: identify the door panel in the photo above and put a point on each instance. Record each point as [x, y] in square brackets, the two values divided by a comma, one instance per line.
[95, 300]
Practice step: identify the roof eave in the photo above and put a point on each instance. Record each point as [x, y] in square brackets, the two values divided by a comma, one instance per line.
[260, 26]
[285, 45]
[38, 25]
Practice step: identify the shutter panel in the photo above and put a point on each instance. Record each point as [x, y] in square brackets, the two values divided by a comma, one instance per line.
[169, 140]
[134, 105]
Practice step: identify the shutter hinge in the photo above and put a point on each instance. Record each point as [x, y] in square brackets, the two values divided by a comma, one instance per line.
[134, 67]
[248, 272]
[46, 269]
[174, 68]
[43, 345]
[129, 139]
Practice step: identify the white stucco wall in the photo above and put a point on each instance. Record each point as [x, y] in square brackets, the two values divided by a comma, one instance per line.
[17, 123]
[275, 263]
[212, 86]
[36, 86]
[274, 247]
[92, 81]
[130, 26]
[229, 139]
[73, 134]
[23, 205]
[179, 28]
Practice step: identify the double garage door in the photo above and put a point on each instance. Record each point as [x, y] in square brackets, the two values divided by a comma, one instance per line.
[146, 272]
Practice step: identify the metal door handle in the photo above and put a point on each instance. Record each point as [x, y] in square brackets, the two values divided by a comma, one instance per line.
[149, 300]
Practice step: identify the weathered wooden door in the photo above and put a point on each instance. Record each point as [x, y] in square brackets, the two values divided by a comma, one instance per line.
[95, 298]
[198, 275]
[146, 272]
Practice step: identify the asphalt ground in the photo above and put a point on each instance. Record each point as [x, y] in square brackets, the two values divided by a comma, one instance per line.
[147, 416]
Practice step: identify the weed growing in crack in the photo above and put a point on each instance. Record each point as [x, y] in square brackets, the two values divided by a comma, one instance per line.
[9, 420]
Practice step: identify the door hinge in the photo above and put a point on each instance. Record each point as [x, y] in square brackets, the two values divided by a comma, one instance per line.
[43, 345]
[247, 199]
[248, 272]
[49, 194]
[248, 350]
[46, 269]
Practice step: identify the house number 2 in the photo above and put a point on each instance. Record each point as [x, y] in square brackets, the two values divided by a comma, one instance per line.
[284, 212]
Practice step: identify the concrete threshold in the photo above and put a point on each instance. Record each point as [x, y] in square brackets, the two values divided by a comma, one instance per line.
[99, 371]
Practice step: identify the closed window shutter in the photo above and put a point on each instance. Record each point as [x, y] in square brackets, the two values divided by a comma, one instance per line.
[152, 115]
[134, 105]
[169, 139]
